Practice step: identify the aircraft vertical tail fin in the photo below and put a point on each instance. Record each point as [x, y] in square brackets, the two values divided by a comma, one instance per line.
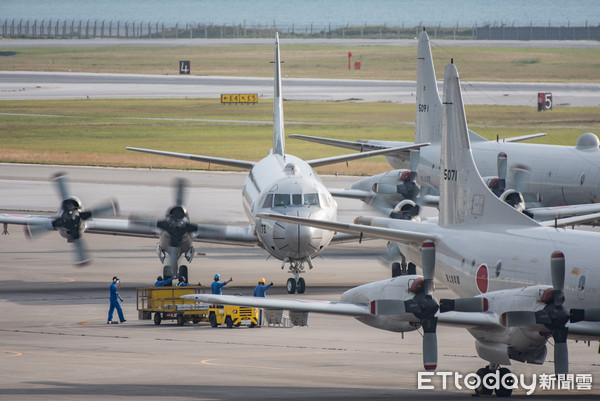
[428, 119]
[464, 197]
[278, 131]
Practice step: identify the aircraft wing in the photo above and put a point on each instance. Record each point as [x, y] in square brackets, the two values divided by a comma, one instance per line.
[352, 194]
[566, 215]
[247, 165]
[524, 137]
[121, 227]
[389, 234]
[23, 219]
[362, 155]
[336, 308]
[469, 319]
[233, 235]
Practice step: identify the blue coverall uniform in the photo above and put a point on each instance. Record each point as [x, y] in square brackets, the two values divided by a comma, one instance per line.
[114, 304]
[260, 290]
[216, 287]
[163, 283]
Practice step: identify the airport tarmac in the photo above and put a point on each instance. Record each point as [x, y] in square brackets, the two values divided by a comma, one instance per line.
[55, 343]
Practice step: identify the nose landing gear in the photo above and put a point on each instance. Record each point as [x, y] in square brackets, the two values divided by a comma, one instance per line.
[296, 283]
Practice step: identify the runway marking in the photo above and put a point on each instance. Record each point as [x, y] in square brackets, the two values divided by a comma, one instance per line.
[12, 354]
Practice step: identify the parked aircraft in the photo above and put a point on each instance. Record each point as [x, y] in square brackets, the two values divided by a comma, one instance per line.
[518, 278]
[534, 174]
[285, 184]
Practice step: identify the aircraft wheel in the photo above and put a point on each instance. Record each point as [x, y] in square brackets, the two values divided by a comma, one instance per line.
[183, 271]
[483, 390]
[229, 322]
[212, 318]
[411, 269]
[396, 269]
[180, 319]
[503, 391]
[157, 318]
[301, 286]
[291, 285]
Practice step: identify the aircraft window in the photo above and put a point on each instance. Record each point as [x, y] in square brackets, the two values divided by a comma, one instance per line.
[281, 200]
[268, 201]
[297, 199]
[311, 199]
[324, 200]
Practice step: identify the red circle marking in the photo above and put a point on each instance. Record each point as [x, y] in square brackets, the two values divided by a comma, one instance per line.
[482, 279]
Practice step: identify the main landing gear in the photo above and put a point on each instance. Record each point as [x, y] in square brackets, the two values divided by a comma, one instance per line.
[296, 283]
[489, 375]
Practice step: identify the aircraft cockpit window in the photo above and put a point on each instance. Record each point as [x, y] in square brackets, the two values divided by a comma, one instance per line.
[268, 201]
[324, 200]
[281, 200]
[297, 199]
[311, 199]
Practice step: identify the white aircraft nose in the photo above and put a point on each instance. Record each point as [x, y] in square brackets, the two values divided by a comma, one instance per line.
[296, 241]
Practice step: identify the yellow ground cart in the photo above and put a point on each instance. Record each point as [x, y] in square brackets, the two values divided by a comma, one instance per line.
[166, 304]
[233, 315]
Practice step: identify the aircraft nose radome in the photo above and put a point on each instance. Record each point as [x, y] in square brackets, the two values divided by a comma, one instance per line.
[297, 241]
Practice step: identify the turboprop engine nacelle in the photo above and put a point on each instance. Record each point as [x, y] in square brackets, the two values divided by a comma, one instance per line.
[388, 300]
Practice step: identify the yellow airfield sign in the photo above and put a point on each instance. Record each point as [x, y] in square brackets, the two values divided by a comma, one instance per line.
[240, 98]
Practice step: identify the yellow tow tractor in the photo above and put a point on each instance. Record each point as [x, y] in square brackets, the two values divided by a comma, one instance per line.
[166, 304]
[233, 316]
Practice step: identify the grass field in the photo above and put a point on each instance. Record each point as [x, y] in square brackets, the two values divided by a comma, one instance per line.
[96, 132]
[314, 61]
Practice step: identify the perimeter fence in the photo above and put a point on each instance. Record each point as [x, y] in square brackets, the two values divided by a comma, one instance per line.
[88, 29]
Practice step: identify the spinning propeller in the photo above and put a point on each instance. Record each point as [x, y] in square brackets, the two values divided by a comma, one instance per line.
[175, 224]
[70, 220]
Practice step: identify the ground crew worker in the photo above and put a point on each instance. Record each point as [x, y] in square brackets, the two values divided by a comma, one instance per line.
[182, 282]
[261, 289]
[114, 301]
[161, 283]
[217, 285]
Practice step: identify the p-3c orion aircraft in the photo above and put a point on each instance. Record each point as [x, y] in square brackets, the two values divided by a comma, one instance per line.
[521, 282]
[525, 175]
[285, 184]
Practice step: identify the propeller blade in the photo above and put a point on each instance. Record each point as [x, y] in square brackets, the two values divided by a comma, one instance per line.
[521, 173]
[37, 227]
[557, 269]
[387, 307]
[430, 356]
[473, 304]
[587, 314]
[502, 170]
[61, 184]
[180, 187]
[428, 265]
[82, 257]
[518, 318]
[415, 158]
[108, 208]
[561, 351]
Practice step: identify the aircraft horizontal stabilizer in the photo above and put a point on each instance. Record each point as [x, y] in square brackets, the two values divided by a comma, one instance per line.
[356, 156]
[243, 164]
[356, 145]
[524, 137]
[336, 308]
